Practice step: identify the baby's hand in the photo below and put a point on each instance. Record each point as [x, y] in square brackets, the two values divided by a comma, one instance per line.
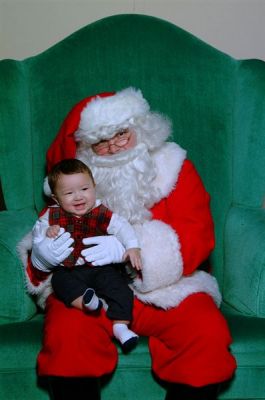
[134, 255]
[53, 231]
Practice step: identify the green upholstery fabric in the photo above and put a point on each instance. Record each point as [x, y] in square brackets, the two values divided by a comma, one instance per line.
[15, 124]
[133, 372]
[249, 350]
[15, 304]
[216, 104]
[244, 280]
[249, 139]
[20, 343]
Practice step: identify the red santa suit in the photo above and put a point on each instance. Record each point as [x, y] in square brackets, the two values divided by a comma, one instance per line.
[176, 305]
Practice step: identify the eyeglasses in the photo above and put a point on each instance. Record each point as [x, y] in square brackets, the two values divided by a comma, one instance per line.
[120, 139]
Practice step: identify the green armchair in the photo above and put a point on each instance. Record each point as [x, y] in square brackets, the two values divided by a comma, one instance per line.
[217, 105]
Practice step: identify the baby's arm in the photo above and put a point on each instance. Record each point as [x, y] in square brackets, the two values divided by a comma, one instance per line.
[134, 255]
[125, 233]
[53, 231]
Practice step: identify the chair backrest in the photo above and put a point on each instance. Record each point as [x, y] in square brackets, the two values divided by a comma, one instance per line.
[249, 134]
[214, 101]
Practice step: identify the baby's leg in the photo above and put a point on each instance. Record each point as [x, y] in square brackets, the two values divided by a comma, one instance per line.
[113, 287]
[73, 288]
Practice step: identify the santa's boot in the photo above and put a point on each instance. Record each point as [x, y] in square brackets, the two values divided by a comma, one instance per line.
[74, 388]
[178, 391]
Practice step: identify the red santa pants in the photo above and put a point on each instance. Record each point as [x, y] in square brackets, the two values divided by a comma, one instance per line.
[188, 344]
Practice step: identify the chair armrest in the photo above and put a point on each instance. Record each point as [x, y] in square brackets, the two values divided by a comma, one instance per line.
[244, 261]
[15, 304]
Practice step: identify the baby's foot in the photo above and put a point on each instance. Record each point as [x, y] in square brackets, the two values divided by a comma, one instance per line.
[91, 302]
[126, 337]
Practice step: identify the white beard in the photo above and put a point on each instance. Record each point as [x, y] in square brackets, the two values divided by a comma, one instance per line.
[124, 181]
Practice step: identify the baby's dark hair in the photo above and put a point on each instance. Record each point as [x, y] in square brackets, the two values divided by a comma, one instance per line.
[68, 166]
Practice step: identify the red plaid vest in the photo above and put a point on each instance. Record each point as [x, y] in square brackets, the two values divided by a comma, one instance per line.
[94, 223]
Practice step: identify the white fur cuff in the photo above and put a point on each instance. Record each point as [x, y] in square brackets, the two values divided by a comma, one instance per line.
[173, 295]
[44, 289]
[161, 256]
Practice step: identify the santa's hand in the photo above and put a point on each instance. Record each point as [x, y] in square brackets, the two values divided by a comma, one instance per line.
[47, 252]
[108, 250]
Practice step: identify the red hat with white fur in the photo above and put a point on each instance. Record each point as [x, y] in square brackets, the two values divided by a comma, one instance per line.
[96, 118]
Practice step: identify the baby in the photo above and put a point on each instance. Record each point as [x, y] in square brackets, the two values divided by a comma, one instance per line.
[77, 282]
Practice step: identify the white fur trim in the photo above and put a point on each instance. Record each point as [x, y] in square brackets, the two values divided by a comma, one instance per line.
[168, 162]
[46, 187]
[162, 283]
[172, 295]
[23, 247]
[161, 256]
[44, 289]
[111, 112]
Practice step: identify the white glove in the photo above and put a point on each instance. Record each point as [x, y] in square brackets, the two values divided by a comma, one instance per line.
[108, 250]
[48, 252]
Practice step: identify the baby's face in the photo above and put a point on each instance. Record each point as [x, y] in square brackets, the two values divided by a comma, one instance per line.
[76, 193]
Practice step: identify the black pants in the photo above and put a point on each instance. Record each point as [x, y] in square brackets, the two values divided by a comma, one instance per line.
[107, 281]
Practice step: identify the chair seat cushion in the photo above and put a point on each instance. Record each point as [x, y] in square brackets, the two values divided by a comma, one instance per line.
[16, 305]
[248, 347]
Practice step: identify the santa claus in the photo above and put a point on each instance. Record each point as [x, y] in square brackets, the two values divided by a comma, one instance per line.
[152, 184]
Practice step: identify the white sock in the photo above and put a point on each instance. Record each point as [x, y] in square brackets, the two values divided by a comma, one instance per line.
[90, 300]
[122, 332]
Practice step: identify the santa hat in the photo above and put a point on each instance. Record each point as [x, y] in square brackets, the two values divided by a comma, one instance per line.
[98, 117]
[64, 145]
[101, 118]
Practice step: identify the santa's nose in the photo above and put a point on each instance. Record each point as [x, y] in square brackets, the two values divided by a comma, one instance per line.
[113, 148]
